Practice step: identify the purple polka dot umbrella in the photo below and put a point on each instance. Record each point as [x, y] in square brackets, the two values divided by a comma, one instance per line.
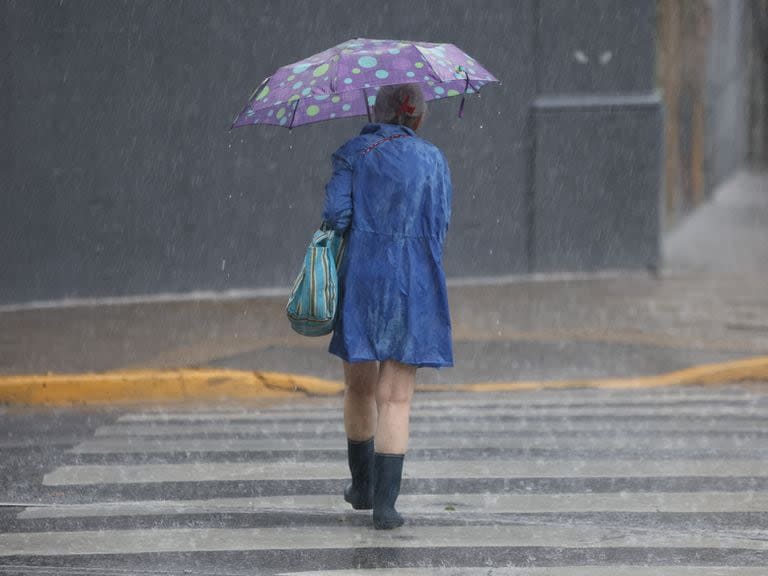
[343, 81]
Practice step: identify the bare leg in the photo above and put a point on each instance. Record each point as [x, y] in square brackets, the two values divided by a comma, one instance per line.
[360, 400]
[393, 398]
[360, 424]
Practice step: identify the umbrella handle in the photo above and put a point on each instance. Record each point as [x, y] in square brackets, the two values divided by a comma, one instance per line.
[367, 107]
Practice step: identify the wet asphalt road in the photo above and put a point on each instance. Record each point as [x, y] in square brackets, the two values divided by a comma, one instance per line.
[564, 483]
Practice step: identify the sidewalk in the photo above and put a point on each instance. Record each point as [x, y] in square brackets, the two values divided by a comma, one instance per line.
[709, 305]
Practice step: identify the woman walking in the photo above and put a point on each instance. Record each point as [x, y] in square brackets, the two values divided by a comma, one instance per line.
[390, 193]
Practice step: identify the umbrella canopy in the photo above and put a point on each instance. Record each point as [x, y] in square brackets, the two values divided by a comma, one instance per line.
[343, 81]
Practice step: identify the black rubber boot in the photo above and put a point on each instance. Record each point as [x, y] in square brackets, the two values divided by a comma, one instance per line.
[360, 457]
[388, 471]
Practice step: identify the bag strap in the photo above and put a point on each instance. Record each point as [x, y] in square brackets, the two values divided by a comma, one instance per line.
[365, 151]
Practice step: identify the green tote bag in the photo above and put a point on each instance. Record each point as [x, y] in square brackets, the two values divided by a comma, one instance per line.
[314, 298]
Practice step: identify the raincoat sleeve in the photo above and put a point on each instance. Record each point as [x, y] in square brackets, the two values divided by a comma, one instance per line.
[338, 194]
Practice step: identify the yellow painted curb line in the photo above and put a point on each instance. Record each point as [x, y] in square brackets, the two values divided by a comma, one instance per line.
[750, 369]
[157, 386]
[164, 386]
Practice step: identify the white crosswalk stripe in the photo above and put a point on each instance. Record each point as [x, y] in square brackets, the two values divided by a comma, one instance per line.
[224, 471]
[446, 425]
[143, 445]
[431, 503]
[192, 540]
[551, 397]
[549, 571]
[600, 484]
[463, 412]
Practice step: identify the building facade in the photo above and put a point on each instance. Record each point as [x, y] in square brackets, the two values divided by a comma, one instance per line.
[118, 176]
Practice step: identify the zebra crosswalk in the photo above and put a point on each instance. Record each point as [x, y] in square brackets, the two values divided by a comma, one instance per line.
[562, 483]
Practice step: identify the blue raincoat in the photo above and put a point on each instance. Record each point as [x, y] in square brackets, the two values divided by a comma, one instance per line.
[391, 194]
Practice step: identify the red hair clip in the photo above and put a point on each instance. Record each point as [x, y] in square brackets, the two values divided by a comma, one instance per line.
[406, 108]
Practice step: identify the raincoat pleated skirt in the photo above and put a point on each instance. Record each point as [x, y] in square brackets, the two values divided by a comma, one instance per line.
[390, 194]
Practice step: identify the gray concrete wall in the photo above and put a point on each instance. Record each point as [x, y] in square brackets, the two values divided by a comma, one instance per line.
[727, 91]
[596, 193]
[120, 177]
[6, 100]
[758, 83]
[597, 137]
